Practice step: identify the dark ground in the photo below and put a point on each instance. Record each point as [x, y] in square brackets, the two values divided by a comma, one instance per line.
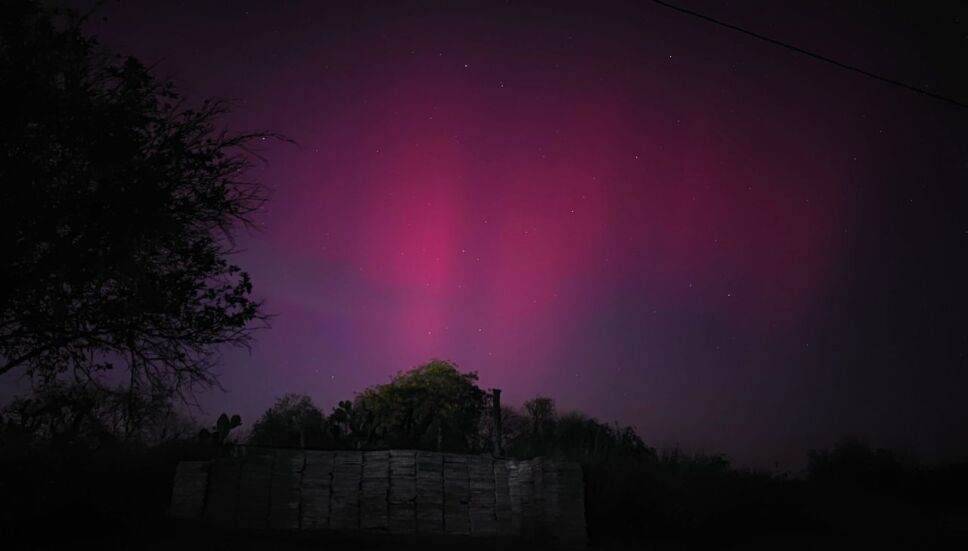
[118, 500]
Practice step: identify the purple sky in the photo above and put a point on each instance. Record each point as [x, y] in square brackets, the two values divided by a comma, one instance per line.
[651, 219]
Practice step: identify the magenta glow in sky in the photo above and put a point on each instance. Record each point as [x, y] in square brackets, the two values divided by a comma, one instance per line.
[493, 220]
[649, 219]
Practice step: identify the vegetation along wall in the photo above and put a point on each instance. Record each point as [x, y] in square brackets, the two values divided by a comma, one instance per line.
[392, 492]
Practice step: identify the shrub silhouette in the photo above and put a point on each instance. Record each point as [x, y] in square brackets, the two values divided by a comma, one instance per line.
[293, 422]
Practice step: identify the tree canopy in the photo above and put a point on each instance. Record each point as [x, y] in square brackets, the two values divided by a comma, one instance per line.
[117, 214]
[436, 407]
[433, 406]
[90, 416]
[294, 421]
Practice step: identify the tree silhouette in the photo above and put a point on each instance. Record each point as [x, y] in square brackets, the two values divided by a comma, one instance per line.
[432, 406]
[91, 416]
[117, 213]
[293, 422]
[541, 430]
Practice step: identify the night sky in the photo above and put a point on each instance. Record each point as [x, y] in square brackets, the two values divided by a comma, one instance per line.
[654, 220]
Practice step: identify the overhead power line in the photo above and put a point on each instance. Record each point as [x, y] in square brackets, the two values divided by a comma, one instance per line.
[814, 55]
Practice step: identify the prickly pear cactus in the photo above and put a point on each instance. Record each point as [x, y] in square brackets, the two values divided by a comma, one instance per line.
[220, 433]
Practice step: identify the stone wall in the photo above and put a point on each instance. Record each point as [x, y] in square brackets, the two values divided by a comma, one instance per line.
[391, 492]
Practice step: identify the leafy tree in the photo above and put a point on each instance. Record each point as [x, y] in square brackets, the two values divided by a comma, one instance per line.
[293, 422]
[91, 416]
[541, 419]
[432, 406]
[515, 429]
[540, 430]
[342, 425]
[581, 437]
[117, 213]
[853, 464]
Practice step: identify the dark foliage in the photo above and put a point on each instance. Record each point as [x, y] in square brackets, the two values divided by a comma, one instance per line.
[431, 407]
[635, 498]
[117, 209]
[293, 422]
[90, 416]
